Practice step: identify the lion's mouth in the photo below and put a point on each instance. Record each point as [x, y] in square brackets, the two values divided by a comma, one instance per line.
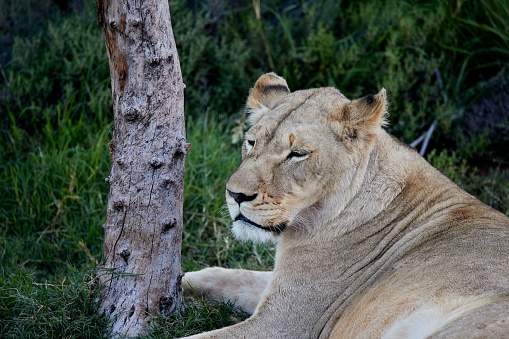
[275, 229]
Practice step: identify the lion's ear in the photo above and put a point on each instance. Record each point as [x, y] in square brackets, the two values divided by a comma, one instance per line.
[268, 90]
[368, 112]
[360, 119]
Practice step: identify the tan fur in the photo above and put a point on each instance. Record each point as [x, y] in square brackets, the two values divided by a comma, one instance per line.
[372, 242]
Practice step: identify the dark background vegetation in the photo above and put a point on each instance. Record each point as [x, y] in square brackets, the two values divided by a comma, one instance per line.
[440, 61]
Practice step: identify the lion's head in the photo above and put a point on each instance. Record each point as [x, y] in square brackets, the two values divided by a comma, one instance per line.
[302, 158]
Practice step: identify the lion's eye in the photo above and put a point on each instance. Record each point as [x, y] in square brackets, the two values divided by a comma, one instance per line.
[298, 155]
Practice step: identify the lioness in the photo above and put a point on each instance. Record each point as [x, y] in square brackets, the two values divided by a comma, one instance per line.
[372, 241]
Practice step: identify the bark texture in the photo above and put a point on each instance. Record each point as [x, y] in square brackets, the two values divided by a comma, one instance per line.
[143, 230]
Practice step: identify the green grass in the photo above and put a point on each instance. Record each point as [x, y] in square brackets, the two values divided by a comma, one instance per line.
[60, 309]
[56, 121]
[198, 317]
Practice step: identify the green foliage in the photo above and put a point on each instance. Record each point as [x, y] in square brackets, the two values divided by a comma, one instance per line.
[25, 17]
[63, 67]
[55, 122]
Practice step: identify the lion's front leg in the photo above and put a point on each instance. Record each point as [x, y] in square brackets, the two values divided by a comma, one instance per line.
[243, 287]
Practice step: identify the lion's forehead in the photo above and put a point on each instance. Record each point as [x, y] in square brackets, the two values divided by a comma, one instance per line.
[299, 113]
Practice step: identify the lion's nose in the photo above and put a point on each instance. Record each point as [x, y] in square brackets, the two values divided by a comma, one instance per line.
[241, 197]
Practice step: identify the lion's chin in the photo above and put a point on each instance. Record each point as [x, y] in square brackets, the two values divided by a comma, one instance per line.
[274, 229]
[245, 231]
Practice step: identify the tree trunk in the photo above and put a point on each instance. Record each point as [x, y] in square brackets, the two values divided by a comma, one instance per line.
[143, 230]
